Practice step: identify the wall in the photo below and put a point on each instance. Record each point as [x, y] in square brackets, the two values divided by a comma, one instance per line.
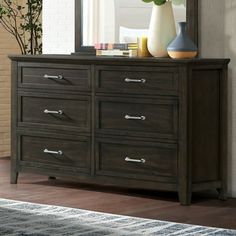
[7, 46]
[218, 39]
[58, 26]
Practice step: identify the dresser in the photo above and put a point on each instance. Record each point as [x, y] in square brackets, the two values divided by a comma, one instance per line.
[143, 123]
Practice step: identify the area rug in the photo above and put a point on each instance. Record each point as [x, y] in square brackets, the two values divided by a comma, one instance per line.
[22, 218]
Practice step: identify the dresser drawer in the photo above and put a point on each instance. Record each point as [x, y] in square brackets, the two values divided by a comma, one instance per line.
[139, 117]
[136, 159]
[54, 112]
[54, 151]
[54, 76]
[145, 80]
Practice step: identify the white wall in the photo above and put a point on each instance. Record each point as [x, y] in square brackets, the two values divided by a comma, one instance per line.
[218, 39]
[58, 26]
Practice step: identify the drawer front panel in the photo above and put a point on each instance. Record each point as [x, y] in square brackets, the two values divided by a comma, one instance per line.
[135, 159]
[68, 78]
[137, 80]
[54, 112]
[142, 117]
[55, 151]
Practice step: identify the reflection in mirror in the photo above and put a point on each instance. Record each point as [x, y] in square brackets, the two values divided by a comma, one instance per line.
[119, 21]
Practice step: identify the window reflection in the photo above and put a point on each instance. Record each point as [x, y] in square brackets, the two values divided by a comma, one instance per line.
[119, 21]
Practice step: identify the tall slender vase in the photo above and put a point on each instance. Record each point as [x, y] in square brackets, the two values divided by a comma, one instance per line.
[161, 30]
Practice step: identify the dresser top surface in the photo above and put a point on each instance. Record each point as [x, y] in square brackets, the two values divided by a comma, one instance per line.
[114, 59]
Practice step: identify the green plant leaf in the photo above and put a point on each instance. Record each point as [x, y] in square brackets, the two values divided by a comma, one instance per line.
[147, 1]
[159, 2]
[156, 2]
[179, 2]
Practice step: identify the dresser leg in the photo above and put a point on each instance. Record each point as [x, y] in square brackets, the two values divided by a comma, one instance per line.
[14, 177]
[52, 178]
[185, 198]
[222, 194]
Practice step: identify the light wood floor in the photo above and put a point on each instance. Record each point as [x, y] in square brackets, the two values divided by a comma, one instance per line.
[206, 211]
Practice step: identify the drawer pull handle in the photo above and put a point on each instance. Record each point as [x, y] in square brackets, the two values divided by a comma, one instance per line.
[53, 152]
[142, 161]
[128, 80]
[59, 112]
[128, 117]
[53, 77]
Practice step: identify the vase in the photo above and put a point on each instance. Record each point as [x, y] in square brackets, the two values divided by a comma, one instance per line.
[161, 30]
[182, 46]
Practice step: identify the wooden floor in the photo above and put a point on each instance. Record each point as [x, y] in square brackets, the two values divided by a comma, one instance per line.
[206, 211]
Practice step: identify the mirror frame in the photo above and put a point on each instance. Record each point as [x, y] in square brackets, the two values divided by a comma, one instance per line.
[192, 26]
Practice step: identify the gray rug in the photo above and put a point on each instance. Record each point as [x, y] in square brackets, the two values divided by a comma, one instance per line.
[21, 218]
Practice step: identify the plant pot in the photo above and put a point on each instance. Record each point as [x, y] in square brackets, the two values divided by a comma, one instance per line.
[182, 46]
[161, 30]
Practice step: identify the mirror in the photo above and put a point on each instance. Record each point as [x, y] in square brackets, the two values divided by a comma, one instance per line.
[122, 21]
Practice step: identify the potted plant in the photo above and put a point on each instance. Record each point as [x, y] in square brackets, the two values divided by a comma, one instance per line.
[23, 21]
[162, 28]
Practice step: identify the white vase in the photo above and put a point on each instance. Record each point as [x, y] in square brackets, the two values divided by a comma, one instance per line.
[162, 29]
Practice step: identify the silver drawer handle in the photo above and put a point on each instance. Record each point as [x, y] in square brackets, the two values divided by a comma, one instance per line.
[135, 160]
[53, 152]
[128, 80]
[53, 76]
[128, 117]
[59, 112]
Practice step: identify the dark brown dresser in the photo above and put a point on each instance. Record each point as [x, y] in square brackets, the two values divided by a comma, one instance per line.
[139, 123]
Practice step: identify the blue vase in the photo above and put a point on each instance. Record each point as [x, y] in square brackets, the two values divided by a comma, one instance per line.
[182, 46]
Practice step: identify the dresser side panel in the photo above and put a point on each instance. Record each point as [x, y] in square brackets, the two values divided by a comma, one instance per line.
[205, 125]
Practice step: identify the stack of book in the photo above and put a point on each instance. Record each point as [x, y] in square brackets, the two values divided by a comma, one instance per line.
[117, 49]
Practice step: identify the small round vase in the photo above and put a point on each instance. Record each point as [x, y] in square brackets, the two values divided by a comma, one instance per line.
[182, 46]
[161, 29]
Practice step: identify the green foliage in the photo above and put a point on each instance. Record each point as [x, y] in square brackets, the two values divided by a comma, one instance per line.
[157, 2]
[24, 23]
[161, 2]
